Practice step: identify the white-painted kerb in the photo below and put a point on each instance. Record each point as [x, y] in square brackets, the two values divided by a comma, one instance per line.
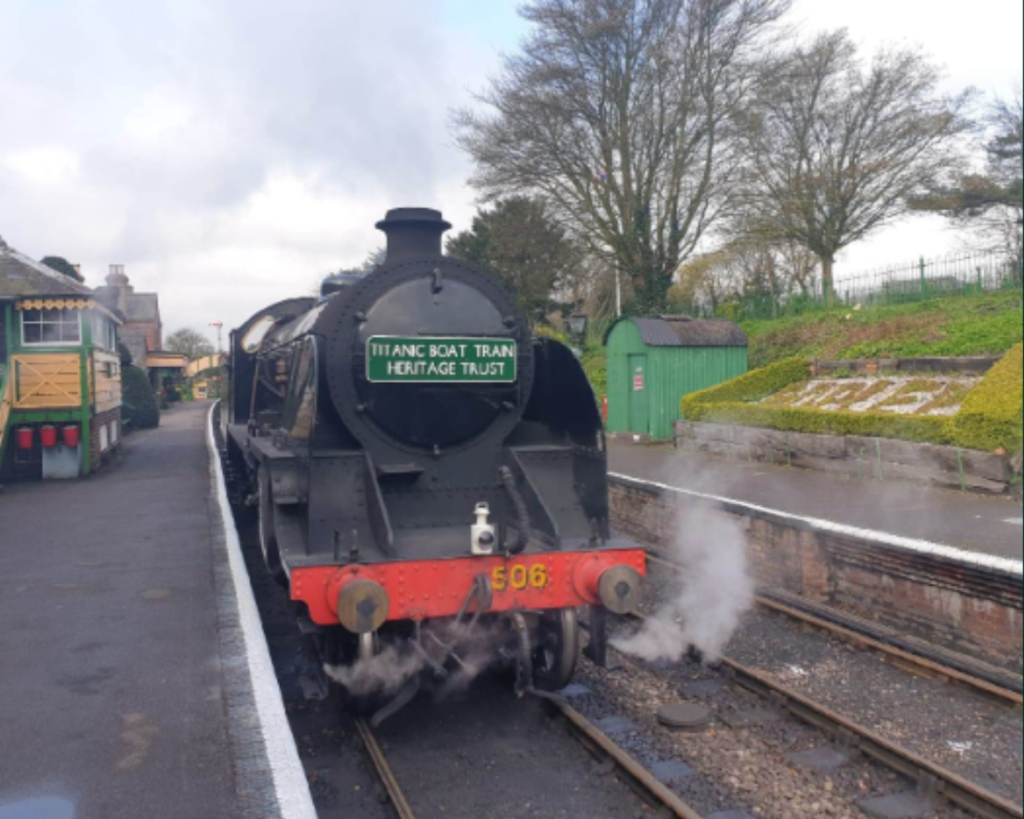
[1003, 564]
[290, 783]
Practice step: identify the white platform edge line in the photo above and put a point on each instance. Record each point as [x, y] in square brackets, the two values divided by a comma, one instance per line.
[1002, 564]
[290, 784]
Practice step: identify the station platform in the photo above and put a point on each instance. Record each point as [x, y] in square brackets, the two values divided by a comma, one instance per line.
[126, 685]
[975, 523]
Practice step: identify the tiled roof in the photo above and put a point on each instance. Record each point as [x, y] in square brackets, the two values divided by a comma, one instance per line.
[22, 276]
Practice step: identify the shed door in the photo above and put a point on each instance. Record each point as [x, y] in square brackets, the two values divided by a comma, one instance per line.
[638, 415]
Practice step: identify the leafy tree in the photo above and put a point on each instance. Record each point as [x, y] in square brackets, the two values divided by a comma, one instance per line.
[190, 343]
[62, 265]
[518, 243]
[836, 148]
[139, 408]
[619, 115]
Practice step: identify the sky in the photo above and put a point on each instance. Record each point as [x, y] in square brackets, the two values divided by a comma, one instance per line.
[230, 153]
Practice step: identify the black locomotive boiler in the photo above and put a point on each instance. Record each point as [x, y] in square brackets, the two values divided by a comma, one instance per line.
[427, 475]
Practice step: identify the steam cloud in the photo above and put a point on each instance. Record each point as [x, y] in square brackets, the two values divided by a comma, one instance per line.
[384, 674]
[715, 590]
[381, 675]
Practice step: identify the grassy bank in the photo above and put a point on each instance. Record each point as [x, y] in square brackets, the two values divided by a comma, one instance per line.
[953, 326]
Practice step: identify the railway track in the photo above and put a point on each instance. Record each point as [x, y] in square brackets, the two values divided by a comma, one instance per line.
[639, 779]
[932, 779]
[912, 655]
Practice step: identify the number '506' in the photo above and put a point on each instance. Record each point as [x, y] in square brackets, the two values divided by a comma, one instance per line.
[520, 577]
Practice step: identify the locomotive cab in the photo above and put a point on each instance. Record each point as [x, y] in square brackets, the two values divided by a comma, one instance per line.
[417, 458]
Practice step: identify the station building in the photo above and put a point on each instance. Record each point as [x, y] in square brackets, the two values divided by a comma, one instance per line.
[142, 330]
[60, 373]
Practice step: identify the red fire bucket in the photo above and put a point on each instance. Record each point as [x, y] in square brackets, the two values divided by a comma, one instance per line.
[71, 436]
[48, 436]
[26, 436]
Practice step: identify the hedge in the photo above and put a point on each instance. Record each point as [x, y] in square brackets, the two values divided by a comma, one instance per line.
[139, 410]
[924, 429]
[752, 387]
[991, 415]
[990, 418]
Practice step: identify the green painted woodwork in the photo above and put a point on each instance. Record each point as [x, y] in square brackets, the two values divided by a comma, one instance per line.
[81, 415]
[669, 373]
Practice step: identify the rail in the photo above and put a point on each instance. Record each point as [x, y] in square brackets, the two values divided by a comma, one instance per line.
[991, 682]
[387, 776]
[931, 777]
[639, 779]
[943, 782]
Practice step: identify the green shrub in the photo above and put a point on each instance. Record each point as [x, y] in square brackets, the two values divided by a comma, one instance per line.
[925, 429]
[595, 364]
[139, 409]
[752, 387]
[991, 415]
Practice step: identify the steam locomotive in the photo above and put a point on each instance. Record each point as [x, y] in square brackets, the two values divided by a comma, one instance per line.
[426, 475]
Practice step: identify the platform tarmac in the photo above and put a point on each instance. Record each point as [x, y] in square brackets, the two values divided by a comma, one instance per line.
[119, 685]
[976, 523]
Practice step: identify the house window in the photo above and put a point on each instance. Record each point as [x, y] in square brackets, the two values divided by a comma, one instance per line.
[104, 333]
[51, 327]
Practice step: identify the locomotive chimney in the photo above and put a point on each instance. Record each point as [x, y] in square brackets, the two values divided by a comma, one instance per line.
[413, 232]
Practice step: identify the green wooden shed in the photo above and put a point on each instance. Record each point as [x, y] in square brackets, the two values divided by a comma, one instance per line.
[654, 362]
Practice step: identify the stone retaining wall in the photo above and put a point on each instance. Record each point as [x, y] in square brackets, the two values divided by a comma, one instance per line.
[879, 458]
[963, 602]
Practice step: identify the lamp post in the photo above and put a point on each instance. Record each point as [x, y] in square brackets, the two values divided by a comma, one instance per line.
[578, 325]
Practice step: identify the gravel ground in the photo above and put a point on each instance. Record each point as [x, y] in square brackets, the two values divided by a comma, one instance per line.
[486, 755]
[966, 732]
[737, 768]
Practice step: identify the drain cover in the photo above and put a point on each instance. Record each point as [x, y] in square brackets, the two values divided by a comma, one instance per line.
[818, 759]
[616, 726]
[701, 688]
[750, 719]
[684, 715]
[909, 805]
[669, 772]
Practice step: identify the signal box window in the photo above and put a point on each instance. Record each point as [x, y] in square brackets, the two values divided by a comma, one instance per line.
[51, 327]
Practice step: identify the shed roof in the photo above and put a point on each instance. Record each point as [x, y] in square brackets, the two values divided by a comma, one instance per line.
[22, 276]
[683, 331]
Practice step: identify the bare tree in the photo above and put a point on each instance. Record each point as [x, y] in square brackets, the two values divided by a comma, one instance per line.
[618, 114]
[992, 202]
[749, 271]
[836, 148]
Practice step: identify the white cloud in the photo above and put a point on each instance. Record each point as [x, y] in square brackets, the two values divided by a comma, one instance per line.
[43, 166]
[227, 153]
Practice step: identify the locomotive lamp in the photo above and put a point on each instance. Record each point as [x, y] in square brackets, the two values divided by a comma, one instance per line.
[484, 539]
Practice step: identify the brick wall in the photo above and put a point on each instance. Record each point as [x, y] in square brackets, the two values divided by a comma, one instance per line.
[968, 608]
[112, 421]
